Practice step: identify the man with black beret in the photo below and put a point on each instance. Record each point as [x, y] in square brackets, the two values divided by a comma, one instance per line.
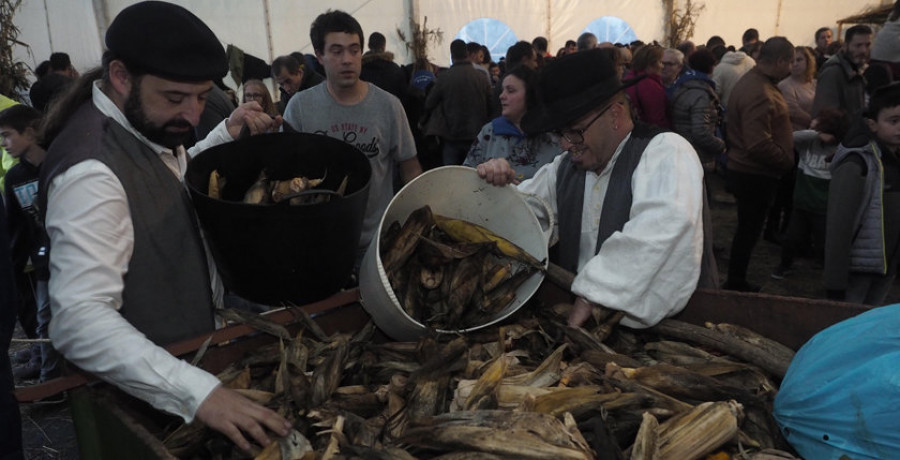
[627, 198]
[129, 270]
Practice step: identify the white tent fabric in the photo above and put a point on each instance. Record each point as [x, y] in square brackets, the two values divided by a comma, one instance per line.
[269, 28]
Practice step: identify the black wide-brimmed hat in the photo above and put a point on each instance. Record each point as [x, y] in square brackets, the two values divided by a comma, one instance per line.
[570, 87]
[168, 41]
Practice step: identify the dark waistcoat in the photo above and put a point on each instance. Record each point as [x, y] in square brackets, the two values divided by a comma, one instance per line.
[616, 205]
[167, 294]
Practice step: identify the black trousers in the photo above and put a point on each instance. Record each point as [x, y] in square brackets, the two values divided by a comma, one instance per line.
[10, 419]
[754, 194]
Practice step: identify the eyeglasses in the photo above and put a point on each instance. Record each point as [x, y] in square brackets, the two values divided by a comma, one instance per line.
[252, 96]
[669, 64]
[576, 136]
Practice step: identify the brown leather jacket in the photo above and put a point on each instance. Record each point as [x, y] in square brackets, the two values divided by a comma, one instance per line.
[760, 136]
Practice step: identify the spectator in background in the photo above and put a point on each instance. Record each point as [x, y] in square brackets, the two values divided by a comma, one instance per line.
[672, 66]
[521, 53]
[815, 147]
[886, 45]
[292, 76]
[862, 233]
[219, 105]
[540, 48]
[760, 151]
[503, 136]
[586, 41]
[752, 50]
[841, 83]
[635, 46]
[695, 109]
[616, 58]
[358, 113]
[476, 56]
[626, 57]
[714, 41]
[42, 69]
[732, 66]
[648, 96]
[687, 48]
[57, 79]
[255, 90]
[379, 68]
[6, 161]
[571, 46]
[748, 40]
[495, 74]
[823, 39]
[458, 105]
[799, 89]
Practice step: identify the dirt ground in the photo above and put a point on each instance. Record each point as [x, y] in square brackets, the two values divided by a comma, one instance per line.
[48, 431]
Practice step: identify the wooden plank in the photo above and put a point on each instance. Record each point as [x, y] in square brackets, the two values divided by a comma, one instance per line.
[78, 378]
[789, 320]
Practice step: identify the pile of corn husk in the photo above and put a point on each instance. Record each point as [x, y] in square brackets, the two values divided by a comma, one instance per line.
[529, 388]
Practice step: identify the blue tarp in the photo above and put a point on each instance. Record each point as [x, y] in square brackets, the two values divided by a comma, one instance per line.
[841, 394]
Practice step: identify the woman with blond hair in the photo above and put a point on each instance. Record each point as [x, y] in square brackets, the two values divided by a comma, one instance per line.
[255, 90]
[799, 89]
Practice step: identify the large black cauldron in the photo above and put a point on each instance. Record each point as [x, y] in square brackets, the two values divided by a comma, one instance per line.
[278, 253]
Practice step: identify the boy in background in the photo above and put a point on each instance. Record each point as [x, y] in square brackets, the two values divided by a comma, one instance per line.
[18, 131]
[863, 221]
[815, 148]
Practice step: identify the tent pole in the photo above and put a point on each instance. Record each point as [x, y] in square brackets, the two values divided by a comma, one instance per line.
[49, 30]
[101, 15]
[547, 30]
[778, 18]
[411, 28]
[269, 42]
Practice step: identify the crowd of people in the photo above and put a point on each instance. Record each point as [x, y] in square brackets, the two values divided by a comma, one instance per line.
[620, 139]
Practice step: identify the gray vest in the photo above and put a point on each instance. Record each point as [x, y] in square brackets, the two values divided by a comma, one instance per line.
[867, 251]
[616, 205]
[167, 294]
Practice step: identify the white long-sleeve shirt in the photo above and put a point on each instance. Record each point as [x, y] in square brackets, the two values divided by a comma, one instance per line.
[91, 233]
[650, 268]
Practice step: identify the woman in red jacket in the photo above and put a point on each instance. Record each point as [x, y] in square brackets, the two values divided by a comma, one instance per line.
[648, 96]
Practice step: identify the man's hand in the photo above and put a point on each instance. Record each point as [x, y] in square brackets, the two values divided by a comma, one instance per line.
[251, 115]
[228, 412]
[581, 311]
[497, 171]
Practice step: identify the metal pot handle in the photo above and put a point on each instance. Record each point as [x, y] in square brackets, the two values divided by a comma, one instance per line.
[548, 215]
[312, 191]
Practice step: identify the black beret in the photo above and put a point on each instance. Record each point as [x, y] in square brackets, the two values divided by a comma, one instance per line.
[168, 41]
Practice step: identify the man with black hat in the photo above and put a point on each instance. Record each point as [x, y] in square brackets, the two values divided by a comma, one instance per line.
[129, 270]
[628, 198]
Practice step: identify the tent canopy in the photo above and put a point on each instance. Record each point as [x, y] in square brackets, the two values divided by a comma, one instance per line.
[269, 28]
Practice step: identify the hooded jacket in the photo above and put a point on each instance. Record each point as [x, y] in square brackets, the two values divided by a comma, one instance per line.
[731, 68]
[694, 110]
[380, 69]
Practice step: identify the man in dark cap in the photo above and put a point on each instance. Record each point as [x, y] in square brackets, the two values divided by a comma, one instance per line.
[129, 270]
[628, 198]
